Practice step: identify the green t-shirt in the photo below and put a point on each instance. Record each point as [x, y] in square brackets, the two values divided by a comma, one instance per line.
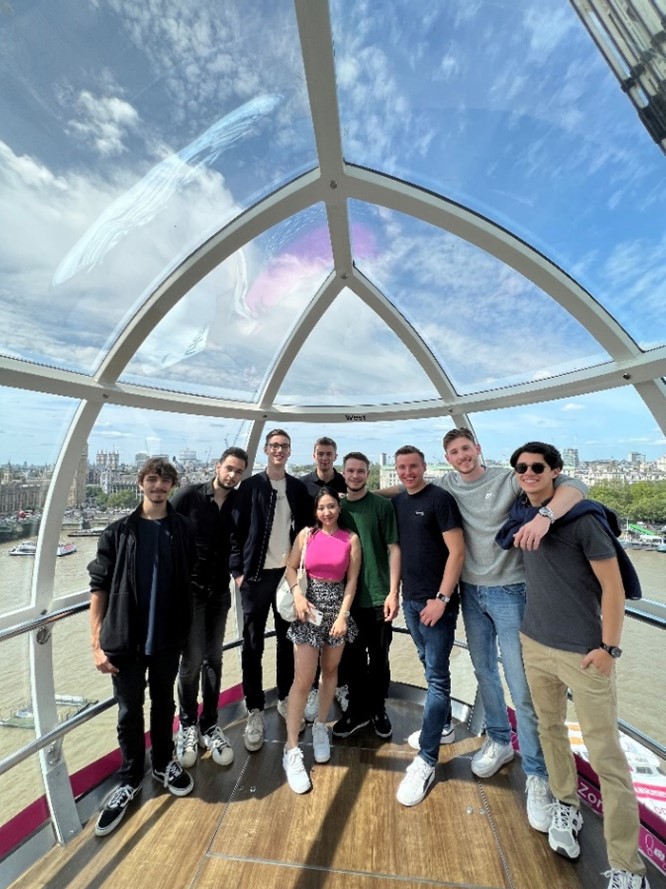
[373, 519]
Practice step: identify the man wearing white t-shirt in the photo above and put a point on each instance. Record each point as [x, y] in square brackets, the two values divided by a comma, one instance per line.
[270, 509]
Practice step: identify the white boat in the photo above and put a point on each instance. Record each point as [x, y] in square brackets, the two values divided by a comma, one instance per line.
[66, 549]
[29, 549]
[24, 549]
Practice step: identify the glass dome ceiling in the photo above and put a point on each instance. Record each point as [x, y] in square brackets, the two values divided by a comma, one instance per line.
[299, 211]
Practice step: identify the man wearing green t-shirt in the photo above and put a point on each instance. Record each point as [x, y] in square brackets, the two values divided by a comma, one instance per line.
[375, 604]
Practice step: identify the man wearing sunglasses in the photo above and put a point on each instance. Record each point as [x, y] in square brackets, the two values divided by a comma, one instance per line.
[493, 602]
[570, 639]
[270, 509]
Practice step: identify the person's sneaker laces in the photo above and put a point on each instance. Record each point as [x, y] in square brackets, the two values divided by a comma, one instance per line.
[624, 879]
[414, 786]
[348, 724]
[448, 737]
[342, 697]
[187, 746]
[114, 808]
[175, 779]
[566, 822]
[382, 725]
[321, 744]
[297, 777]
[217, 742]
[253, 735]
[539, 803]
[491, 757]
[312, 705]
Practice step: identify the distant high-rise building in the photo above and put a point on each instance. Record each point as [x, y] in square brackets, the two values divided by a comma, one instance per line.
[635, 457]
[77, 493]
[570, 456]
[187, 456]
[140, 458]
[383, 459]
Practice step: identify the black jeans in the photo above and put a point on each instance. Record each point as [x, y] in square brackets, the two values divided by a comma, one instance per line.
[129, 686]
[257, 598]
[368, 668]
[201, 662]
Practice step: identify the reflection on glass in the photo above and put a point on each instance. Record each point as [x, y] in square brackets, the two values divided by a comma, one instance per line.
[351, 358]
[479, 317]
[222, 337]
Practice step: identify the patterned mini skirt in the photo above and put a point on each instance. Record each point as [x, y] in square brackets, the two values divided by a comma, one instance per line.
[326, 595]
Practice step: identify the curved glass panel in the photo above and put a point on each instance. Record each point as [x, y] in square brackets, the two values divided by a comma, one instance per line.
[33, 428]
[222, 337]
[345, 360]
[125, 437]
[583, 423]
[477, 315]
[510, 110]
[125, 145]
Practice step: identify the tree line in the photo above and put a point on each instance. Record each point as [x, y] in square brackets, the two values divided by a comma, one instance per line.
[638, 502]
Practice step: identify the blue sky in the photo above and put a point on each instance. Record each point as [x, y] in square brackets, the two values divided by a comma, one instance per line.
[145, 128]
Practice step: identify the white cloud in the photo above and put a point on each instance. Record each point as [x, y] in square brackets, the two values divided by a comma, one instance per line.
[103, 122]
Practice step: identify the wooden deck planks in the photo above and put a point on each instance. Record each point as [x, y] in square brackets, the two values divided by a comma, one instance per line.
[243, 827]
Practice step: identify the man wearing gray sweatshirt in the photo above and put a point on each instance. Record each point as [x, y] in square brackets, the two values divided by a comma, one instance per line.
[493, 602]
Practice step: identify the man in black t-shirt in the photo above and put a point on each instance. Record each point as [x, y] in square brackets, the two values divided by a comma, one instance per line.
[432, 555]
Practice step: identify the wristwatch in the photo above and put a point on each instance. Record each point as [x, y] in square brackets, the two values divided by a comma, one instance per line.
[612, 650]
[548, 512]
[443, 598]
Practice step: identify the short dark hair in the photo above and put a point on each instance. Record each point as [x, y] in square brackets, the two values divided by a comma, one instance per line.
[548, 451]
[409, 449]
[325, 440]
[356, 455]
[239, 453]
[274, 432]
[159, 466]
[460, 432]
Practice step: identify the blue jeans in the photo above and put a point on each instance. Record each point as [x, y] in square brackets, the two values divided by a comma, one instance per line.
[201, 662]
[434, 646]
[492, 615]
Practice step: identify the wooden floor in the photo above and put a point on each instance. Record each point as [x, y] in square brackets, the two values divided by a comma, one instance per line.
[243, 828]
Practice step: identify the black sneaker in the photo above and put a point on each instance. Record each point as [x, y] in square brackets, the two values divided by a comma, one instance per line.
[175, 779]
[348, 724]
[114, 808]
[382, 725]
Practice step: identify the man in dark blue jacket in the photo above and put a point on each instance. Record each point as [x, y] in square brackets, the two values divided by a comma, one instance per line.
[140, 613]
[269, 510]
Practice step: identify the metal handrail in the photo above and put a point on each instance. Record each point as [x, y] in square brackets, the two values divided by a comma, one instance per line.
[68, 725]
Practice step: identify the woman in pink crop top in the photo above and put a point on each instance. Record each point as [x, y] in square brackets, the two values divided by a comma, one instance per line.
[332, 562]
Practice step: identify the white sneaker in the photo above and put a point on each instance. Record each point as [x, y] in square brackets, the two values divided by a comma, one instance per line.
[624, 879]
[342, 697]
[312, 705]
[217, 742]
[491, 757]
[253, 736]
[297, 777]
[321, 743]
[187, 748]
[282, 707]
[564, 828]
[539, 803]
[448, 737]
[415, 784]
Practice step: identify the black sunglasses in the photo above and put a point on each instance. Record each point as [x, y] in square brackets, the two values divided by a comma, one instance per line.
[537, 468]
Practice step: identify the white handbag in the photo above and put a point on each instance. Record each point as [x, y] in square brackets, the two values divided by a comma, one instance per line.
[284, 597]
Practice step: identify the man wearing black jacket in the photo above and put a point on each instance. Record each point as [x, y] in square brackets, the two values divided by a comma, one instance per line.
[269, 510]
[140, 613]
[209, 506]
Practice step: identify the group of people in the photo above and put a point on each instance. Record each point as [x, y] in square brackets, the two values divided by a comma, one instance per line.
[528, 561]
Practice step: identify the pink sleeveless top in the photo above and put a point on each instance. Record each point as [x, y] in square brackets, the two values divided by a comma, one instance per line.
[327, 556]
